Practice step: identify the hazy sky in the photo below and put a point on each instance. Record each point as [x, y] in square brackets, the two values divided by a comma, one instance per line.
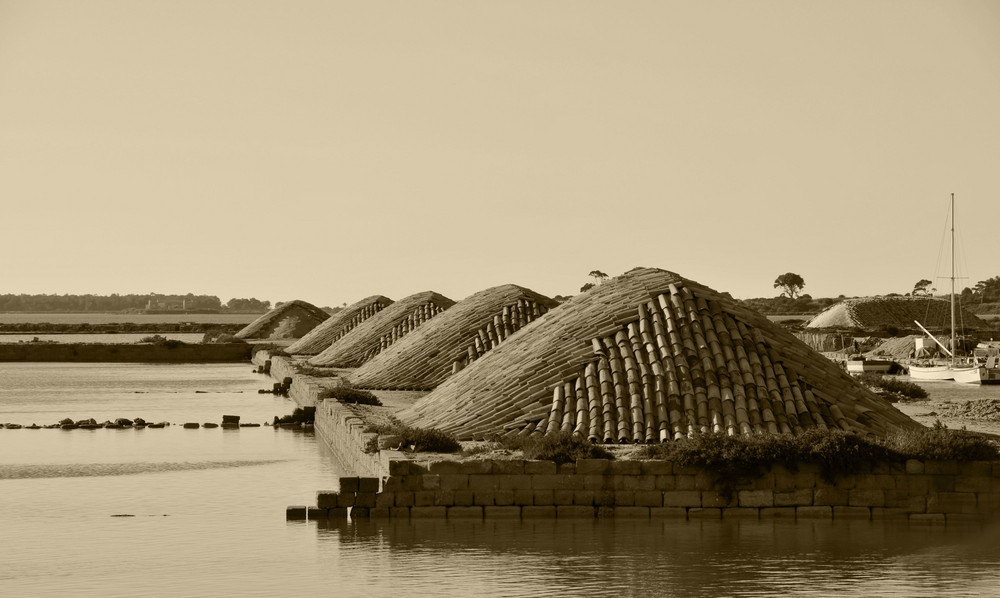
[327, 150]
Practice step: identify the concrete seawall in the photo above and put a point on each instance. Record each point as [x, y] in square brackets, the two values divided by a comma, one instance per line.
[117, 353]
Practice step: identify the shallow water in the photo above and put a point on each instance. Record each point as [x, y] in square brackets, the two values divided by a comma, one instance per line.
[112, 339]
[178, 512]
[102, 318]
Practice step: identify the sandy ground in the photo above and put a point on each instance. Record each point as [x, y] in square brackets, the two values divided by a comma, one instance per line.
[975, 415]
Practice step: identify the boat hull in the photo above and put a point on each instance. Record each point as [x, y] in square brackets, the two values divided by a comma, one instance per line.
[933, 372]
[859, 366]
[978, 375]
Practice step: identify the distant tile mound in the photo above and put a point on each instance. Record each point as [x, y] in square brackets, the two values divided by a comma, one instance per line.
[651, 356]
[373, 335]
[877, 312]
[338, 325]
[290, 320]
[453, 340]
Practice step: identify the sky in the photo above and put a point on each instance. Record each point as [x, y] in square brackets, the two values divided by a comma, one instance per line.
[328, 151]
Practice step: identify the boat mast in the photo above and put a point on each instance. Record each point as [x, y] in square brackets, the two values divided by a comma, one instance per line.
[954, 348]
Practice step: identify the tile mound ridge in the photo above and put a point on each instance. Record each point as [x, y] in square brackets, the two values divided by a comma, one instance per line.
[452, 341]
[651, 356]
[338, 325]
[382, 329]
[875, 312]
[289, 320]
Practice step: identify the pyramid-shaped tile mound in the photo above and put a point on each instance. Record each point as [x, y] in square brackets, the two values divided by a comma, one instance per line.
[378, 332]
[290, 320]
[876, 312]
[651, 356]
[338, 325]
[453, 340]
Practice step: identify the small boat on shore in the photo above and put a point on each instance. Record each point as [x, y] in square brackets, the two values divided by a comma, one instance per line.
[862, 365]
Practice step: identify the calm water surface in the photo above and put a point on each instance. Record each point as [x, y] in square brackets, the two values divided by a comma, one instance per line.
[175, 512]
[100, 318]
[113, 339]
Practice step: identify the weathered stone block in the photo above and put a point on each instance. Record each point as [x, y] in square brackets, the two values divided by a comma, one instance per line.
[592, 466]
[464, 498]
[648, 498]
[399, 512]
[432, 512]
[574, 512]
[424, 498]
[777, 513]
[543, 498]
[786, 480]
[540, 467]
[484, 498]
[704, 513]
[430, 481]
[453, 481]
[476, 467]
[317, 514]
[346, 500]
[624, 498]
[814, 512]
[830, 496]
[706, 481]
[404, 499]
[538, 512]
[326, 500]
[368, 484]
[941, 467]
[712, 498]
[385, 499]
[296, 513]
[657, 467]
[445, 467]
[502, 512]
[394, 483]
[524, 497]
[682, 498]
[794, 498]
[686, 469]
[566, 468]
[605, 512]
[973, 483]
[593, 482]
[349, 484]
[951, 502]
[482, 483]
[624, 467]
[963, 519]
[503, 498]
[631, 512]
[668, 512]
[562, 497]
[584, 497]
[508, 467]
[941, 483]
[851, 512]
[465, 512]
[740, 513]
[666, 482]
[557, 482]
[762, 482]
[928, 518]
[684, 482]
[364, 499]
[379, 513]
[913, 503]
[756, 498]
[913, 466]
[858, 497]
[605, 498]
[360, 512]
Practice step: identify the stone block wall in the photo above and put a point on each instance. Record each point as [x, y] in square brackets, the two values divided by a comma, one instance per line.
[917, 491]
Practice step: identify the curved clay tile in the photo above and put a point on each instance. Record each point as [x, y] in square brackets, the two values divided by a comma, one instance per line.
[453, 340]
[650, 356]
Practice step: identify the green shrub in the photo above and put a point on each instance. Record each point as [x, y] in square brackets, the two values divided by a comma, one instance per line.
[419, 440]
[892, 385]
[310, 370]
[941, 444]
[301, 415]
[346, 394]
[563, 447]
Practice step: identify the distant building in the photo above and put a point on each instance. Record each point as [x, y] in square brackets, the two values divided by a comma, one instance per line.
[165, 303]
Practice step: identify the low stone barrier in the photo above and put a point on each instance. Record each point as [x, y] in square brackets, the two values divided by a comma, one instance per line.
[934, 492]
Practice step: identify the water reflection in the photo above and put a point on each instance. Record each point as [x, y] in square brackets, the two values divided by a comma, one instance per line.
[667, 558]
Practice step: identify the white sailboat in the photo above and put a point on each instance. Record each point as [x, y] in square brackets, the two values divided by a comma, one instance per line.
[974, 373]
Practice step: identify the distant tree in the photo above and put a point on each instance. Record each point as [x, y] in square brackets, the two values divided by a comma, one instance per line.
[922, 288]
[790, 284]
[987, 291]
[248, 305]
[598, 276]
[587, 287]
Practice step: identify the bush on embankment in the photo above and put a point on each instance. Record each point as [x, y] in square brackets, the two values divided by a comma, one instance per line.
[417, 440]
[835, 451]
[562, 447]
[347, 394]
[896, 388]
